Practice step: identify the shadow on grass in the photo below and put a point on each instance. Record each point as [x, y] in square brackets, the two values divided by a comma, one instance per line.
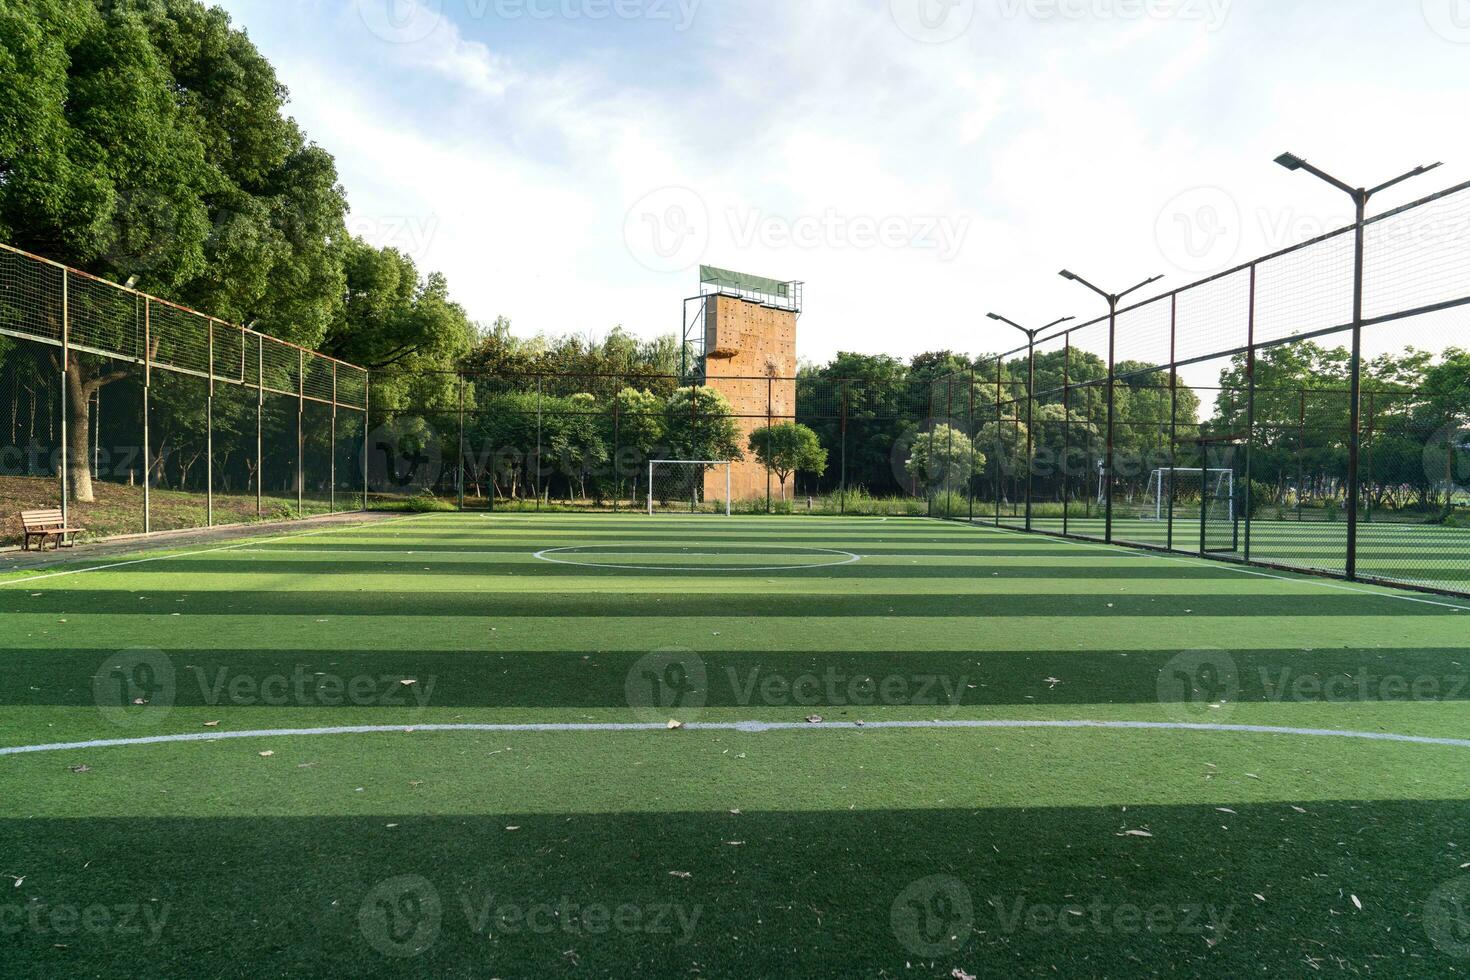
[844, 683]
[1041, 892]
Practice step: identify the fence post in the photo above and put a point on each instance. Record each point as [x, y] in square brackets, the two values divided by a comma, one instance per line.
[536, 474]
[332, 493]
[999, 434]
[1066, 461]
[770, 417]
[300, 433]
[367, 418]
[209, 435]
[460, 385]
[1030, 427]
[974, 440]
[1112, 399]
[842, 484]
[617, 466]
[260, 426]
[1173, 413]
[147, 383]
[949, 447]
[64, 463]
[1250, 414]
[929, 476]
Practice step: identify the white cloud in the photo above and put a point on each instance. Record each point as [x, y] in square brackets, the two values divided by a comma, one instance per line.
[1054, 142]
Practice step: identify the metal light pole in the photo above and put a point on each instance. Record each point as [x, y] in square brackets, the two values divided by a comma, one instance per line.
[1113, 300]
[1361, 196]
[1031, 336]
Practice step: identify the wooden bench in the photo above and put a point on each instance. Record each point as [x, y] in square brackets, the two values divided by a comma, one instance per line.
[45, 524]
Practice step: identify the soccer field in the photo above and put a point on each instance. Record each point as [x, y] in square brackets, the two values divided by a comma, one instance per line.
[1423, 555]
[538, 746]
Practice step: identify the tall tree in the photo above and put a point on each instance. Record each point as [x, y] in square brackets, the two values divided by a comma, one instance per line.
[149, 141]
[787, 447]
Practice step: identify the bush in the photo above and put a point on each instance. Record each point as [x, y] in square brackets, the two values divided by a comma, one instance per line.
[421, 503]
[1261, 496]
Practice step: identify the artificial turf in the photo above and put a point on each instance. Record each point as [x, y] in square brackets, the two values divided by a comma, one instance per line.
[714, 852]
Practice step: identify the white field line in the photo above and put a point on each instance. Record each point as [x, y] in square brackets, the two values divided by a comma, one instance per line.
[748, 727]
[1196, 562]
[845, 558]
[203, 551]
[422, 552]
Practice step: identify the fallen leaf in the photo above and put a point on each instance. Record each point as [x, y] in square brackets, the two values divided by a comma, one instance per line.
[211, 724]
[1358, 902]
[675, 724]
[79, 769]
[814, 719]
[266, 754]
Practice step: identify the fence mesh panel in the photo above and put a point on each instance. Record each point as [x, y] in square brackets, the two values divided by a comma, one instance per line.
[31, 439]
[157, 407]
[1245, 378]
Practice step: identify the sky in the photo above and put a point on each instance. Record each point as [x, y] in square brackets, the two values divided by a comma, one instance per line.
[569, 164]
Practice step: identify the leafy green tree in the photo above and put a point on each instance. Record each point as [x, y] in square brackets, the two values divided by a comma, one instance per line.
[701, 425]
[787, 447]
[641, 429]
[576, 440]
[394, 318]
[1446, 394]
[944, 458]
[877, 402]
[149, 140]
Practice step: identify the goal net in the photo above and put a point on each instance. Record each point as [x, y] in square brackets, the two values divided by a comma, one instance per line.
[689, 486]
[1211, 491]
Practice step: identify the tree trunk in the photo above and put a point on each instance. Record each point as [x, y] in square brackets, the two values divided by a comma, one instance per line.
[79, 431]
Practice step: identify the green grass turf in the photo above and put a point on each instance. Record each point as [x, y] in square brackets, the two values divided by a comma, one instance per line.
[702, 853]
[1413, 554]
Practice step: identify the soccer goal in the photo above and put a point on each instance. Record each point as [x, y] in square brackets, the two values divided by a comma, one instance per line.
[1213, 488]
[689, 486]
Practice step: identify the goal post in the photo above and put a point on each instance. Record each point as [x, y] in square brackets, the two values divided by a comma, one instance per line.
[1215, 488]
[683, 486]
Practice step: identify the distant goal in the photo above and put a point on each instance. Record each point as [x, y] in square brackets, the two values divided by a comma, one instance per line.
[1213, 488]
[689, 486]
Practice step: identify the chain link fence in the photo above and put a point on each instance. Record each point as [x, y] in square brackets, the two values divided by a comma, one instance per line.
[569, 442]
[1251, 416]
[134, 415]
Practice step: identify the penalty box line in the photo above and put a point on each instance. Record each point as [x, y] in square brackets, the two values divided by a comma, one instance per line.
[746, 727]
